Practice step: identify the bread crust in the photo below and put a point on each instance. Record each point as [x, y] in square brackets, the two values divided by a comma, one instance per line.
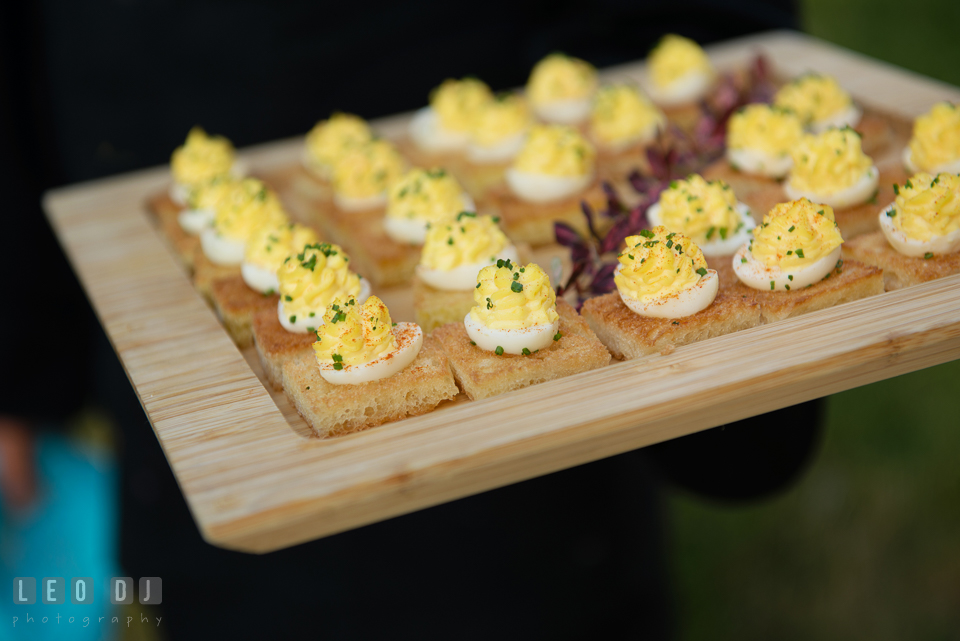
[236, 305]
[206, 273]
[167, 214]
[435, 307]
[482, 374]
[899, 270]
[275, 345]
[334, 410]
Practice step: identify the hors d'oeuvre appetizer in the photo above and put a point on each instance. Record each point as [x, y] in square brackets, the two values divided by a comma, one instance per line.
[831, 168]
[819, 101]
[420, 198]
[452, 256]
[444, 126]
[706, 212]
[363, 175]
[517, 334]
[760, 139]
[239, 297]
[309, 282]
[198, 161]
[919, 237]
[935, 145]
[622, 121]
[365, 370]
[561, 88]
[330, 139]
[498, 129]
[792, 265]
[667, 296]
[680, 75]
[549, 178]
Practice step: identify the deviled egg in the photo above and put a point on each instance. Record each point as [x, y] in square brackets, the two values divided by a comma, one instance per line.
[935, 144]
[363, 175]
[680, 72]
[831, 168]
[248, 204]
[924, 219]
[499, 129]
[819, 101]
[556, 162]
[622, 116]
[268, 246]
[198, 161]
[422, 197]
[445, 125]
[454, 252]
[760, 139]
[329, 141]
[561, 88]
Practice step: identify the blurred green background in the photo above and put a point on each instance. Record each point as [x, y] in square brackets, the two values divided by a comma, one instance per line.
[867, 544]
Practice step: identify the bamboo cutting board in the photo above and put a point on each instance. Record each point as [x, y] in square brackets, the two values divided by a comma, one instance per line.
[256, 482]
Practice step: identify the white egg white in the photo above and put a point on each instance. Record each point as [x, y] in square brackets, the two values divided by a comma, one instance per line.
[463, 277]
[542, 188]
[757, 161]
[365, 203]
[716, 246]
[684, 90]
[302, 323]
[859, 192]
[430, 135]
[179, 194]
[568, 111]
[848, 117]
[503, 151]
[684, 303]
[952, 167]
[194, 221]
[409, 339]
[513, 341]
[938, 245]
[754, 273]
[222, 250]
[259, 278]
[413, 231]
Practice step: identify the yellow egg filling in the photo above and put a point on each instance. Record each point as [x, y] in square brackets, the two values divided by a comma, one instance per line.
[312, 279]
[795, 234]
[245, 206]
[367, 169]
[703, 210]
[466, 240]
[556, 150]
[271, 243]
[509, 296]
[829, 162]
[201, 158]
[813, 98]
[425, 194]
[457, 102]
[675, 57]
[659, 263]
[561, 77]
[209, 194]
[329, 140]
[354, 334]
[936, 137]
[622, 114]
[505, 116]
[928, 206]
[771, 130]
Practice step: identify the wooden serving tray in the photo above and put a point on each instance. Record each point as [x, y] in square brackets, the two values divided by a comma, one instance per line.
[254, 479]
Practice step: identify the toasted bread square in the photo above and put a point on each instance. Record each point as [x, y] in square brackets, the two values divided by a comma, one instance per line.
[850, 281]
[628, 335]
[167, 213]
[332, 410]
[876, 133]
[275, 345]
[375, 255]
[236, 304]
[478, 179]
[743, 184]
[435, 307]
[206, 273]
[481, 374]
[615, 166]
[533, 222]
[899, 270]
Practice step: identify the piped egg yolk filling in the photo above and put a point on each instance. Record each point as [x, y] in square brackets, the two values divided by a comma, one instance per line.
[556, 150]
[561, 77]
[467, 240]
[928, 206]
[425, 194]
[272, 242]
[457, 102]
[201, 158]
[621, 113]
[247, 205]
[813, 98]
[936, 136]
[209, 194]
[772, 130]
[701, 209]
[829, 162]
[354, 334]
[330, 139]
[367, 170]
[503, 117]
[509, 296]
[675, 57]
[659, 263]
[795, 234]
[311, 280]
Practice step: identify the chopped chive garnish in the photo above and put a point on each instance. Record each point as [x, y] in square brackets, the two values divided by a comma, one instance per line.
[498, 351]
[702, 271]
[516, 287]
[928, 256]
[557, 336]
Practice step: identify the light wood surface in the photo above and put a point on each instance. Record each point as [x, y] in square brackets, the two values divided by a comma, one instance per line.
[255, 482]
